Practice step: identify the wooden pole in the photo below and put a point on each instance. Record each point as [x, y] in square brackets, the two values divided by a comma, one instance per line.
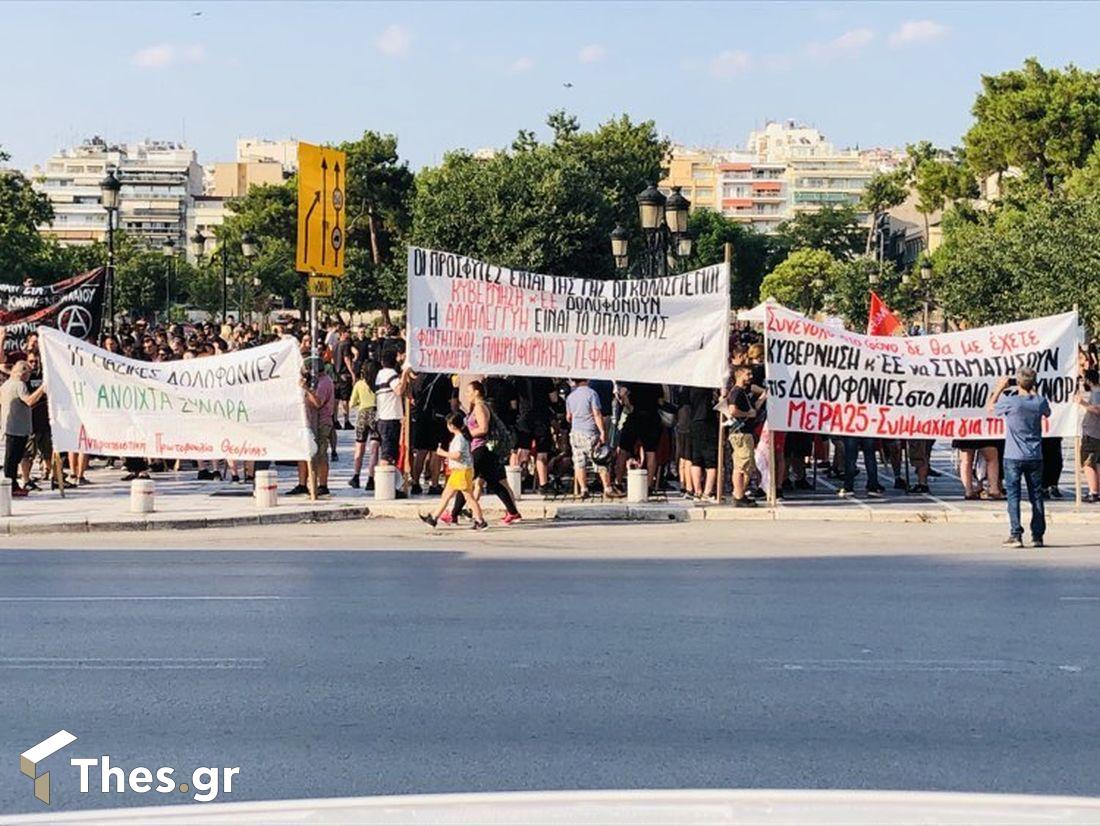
[727, 255]
[406, 427]
[1077, 419]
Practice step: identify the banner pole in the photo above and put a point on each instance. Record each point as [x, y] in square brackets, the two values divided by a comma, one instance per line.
[719, 482]
[1077, 416]
[58, 476]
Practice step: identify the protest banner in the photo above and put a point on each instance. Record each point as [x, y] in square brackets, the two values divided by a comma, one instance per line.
[467, 316]
[245, 405]
[74, 306]
[822, 379]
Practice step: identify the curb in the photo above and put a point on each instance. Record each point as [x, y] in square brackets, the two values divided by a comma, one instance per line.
[344, 513]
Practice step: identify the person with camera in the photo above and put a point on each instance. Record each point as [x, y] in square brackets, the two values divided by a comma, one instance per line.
[1023, 412]
[587, 434]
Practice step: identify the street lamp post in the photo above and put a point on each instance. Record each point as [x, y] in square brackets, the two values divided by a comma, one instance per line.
[169, 250]
[666, 238]
[925, 290]
[109, 189]
[225, 283]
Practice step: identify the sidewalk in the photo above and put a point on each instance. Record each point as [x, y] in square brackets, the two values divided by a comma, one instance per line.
[182, 502]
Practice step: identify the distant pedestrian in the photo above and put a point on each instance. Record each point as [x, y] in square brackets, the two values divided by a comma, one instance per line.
[15, 407]
[1023, 412]
[1090, 433]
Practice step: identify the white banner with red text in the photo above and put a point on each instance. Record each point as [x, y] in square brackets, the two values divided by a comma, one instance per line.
[835, 382]
[467, 316]
[246, 405]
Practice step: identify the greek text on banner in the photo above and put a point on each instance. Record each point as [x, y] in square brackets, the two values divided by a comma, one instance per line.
[467, 316]
[824, 379]
[246, 405]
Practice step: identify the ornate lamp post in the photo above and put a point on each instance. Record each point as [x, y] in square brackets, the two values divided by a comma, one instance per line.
[109, 189]
[168, 248]
[666, 239]
[925, 290]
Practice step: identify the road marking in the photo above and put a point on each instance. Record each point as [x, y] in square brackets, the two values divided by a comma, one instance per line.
[960, 666]
[198, 598]
[852, 498]
[131, 663]
[1079, 599]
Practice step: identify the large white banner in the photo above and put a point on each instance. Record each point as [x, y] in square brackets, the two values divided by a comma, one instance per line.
[246, 405]
[466, 316]
[824, 379]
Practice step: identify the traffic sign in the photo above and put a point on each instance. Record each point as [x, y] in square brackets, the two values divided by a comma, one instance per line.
[319, 286]
[321, 181]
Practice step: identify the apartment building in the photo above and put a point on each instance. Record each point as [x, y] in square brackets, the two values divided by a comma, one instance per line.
[753, 192]
[695, 172]
[71, 179]
[283, 152]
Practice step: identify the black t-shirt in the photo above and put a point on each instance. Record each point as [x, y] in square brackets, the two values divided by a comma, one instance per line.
[739, 398]
[433, 394]
[340, 351]
[40, 413]
[501, 394]
[701, 400]
[533, 398]
[643, 397]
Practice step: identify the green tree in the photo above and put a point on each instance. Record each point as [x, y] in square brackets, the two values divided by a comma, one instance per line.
[834, 229]
[803, 280]
[884, 191]
[1085, 182]
[1043, 121]
[1024, 259]
[751, 252]
[23, 251]
[941, 180]
[548, 207]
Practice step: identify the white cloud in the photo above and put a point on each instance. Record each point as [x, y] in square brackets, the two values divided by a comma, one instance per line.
[730, 63]
[395, 40]
[162, 55]
[592, 53]
[918, 31]
[846, 45]
[520, 65]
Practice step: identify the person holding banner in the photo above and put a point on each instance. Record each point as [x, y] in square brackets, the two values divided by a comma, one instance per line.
[1023, 413]
[15, 407]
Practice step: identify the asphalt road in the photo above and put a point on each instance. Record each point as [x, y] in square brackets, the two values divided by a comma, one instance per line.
[383, 672]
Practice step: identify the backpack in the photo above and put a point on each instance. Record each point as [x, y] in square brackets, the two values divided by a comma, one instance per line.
[500, 440]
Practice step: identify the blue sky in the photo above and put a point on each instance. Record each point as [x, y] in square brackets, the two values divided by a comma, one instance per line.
[444, 75]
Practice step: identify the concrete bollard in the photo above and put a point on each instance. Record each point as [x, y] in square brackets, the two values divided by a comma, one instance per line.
[142, 496]
[385, 482]
[5, 497]
[514, 476]
[637, 485]
[266, 492]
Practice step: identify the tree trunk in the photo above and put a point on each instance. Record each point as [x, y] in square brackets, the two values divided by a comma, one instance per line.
[871, 232]
[376, 256]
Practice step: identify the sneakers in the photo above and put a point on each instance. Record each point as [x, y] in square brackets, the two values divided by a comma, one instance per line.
[843, 493]
[1013, 542]
[545, 490]
[446, 518]
[370, 484]
[322, 490]
[19, 493]
[427, 519]
[353, 482]
[614, 493]
[918, 488]
[435, 490]
[899, 484]
[1055, 492]
[298, 490]
[416, 490]
[876, 493]
[1037, 542]
[400, 494]
[744, 502]
[204, 475]
[509, 518]
[480, 526]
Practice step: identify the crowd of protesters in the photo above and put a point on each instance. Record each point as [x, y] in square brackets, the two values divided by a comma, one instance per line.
[568, 436]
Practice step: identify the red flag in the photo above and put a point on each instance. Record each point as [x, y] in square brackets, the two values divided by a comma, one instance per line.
[881, 321]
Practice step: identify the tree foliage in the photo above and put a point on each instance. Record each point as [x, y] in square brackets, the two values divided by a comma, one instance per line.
[548, 207]
[803, 280]
[751, 252]
[1042, 121]
[834, 229]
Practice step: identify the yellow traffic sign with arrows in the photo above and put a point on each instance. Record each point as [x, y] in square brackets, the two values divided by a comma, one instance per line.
[322, 176]
[319, 286]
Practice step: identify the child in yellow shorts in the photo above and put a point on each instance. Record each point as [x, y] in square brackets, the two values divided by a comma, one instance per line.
[460, 473]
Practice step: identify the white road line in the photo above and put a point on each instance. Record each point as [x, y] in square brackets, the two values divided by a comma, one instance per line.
[131, 663]
[198, 598]
[851, 498]
[1079, 599]
[961, 666]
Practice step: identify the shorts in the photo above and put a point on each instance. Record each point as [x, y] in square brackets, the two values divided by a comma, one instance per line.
[323, 436]
[537, 438]
[744, 453]
[641, 427]
[798, 445]
[704, 444]
[41, 445]
[429, 432]
[920, 450]
[366, 424]
[342, 390]
[389, 433]
[461, 480]
[1090, 451]
[582, 445]
[683, 446]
